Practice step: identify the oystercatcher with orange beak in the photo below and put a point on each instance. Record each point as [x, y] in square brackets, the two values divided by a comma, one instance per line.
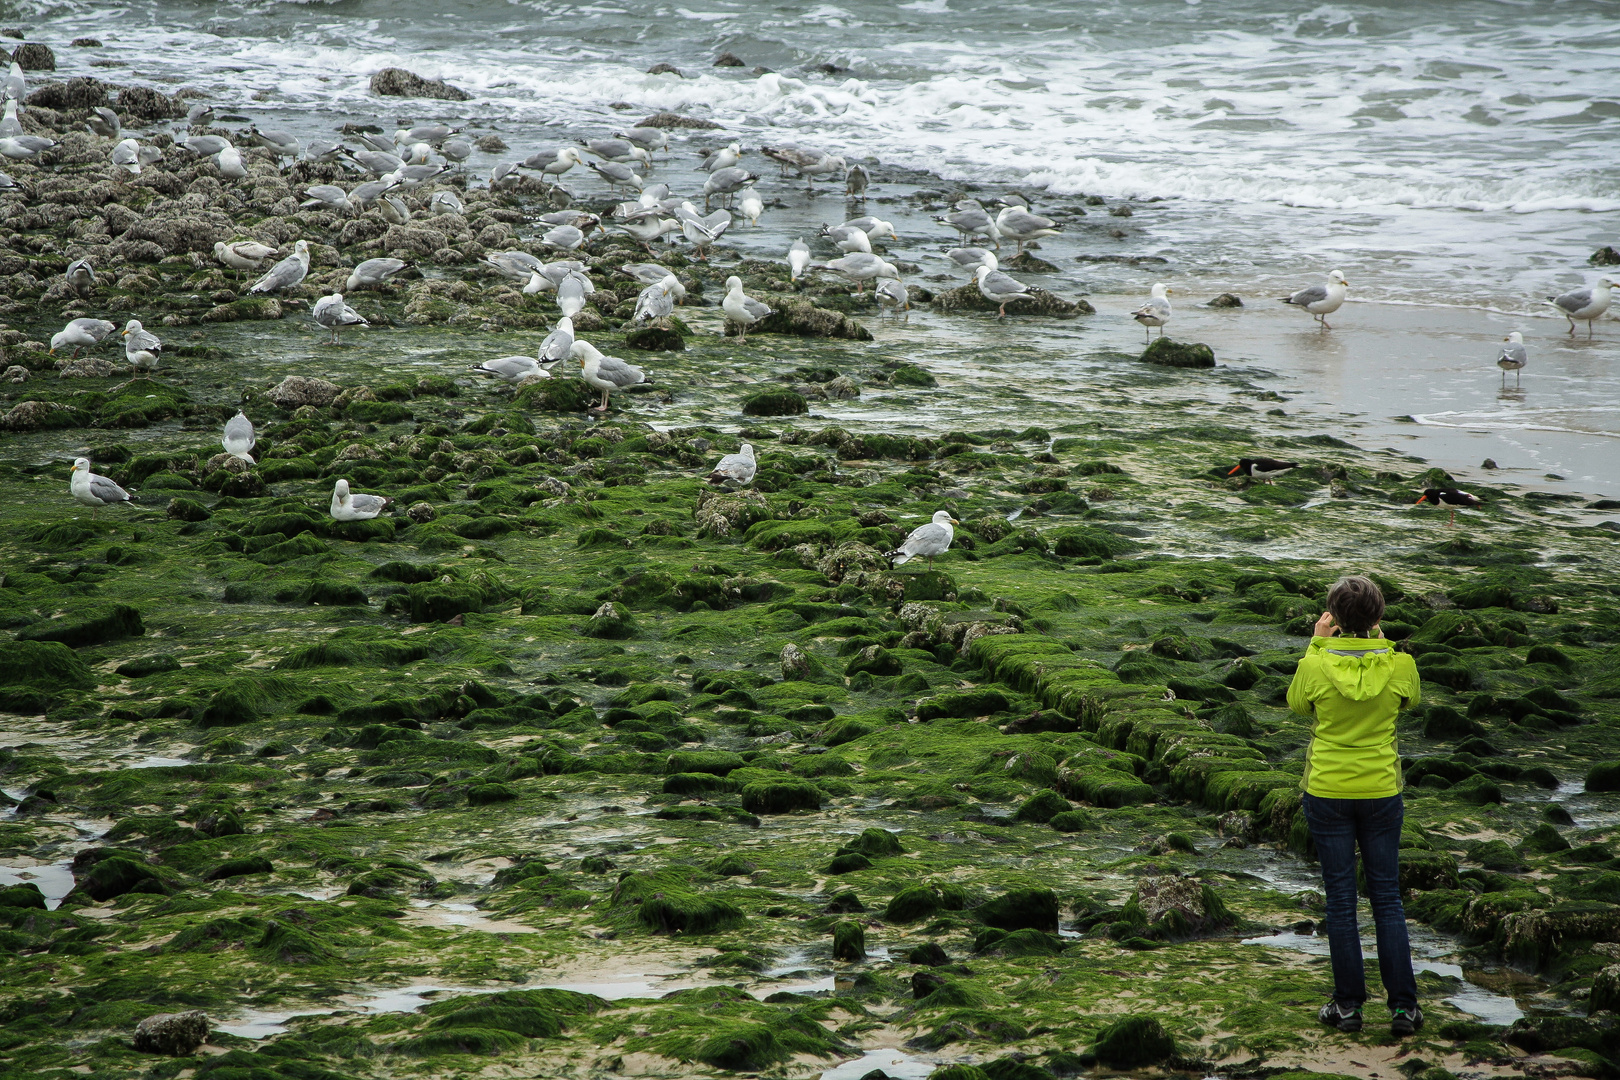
[1453, 499]
[1262, 468]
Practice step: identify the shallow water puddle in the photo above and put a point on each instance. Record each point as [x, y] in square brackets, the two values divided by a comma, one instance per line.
[155, 763]
[55, 880]
[465, 917]
[1493, 1008]
[891, 1062]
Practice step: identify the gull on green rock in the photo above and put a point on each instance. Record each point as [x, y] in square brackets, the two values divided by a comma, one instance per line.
[605, 373]
[1156, 312]
[141, 346]
[741, 309]
[239, 437]
[93, 490]
[735, 470]
[82, 334]
[332, 313]
[354, 506]
[927, 541]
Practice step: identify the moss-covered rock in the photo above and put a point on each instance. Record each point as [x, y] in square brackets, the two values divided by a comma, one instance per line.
[849, 942]
[781, 797]
[776, 403]
[121, 621]
[1169, 353]
[1133, 1042]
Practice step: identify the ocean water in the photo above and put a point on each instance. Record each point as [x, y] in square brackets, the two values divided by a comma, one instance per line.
[1455, 159]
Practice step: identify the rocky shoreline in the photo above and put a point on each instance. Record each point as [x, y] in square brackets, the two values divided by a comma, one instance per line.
[1013, 817]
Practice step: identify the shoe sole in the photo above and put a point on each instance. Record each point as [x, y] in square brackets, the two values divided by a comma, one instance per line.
[1349, 1025]
[1401, 1031]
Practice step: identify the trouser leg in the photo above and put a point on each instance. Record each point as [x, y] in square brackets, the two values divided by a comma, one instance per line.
[1334, 833]
[1379, 835]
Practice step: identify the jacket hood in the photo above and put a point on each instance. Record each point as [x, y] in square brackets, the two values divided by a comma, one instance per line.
[1358, 668]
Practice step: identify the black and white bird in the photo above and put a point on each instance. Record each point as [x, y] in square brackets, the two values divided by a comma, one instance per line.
[727, 182]
[1000, 289]
[92, 490]
[126, 155]
[971, 258]
[331, 312]
[1264, 468]
[1018, 224]
[927, 541]
[393, 210]
[82, 334]
[81, 275]
[605, 373]
[653, 274]
[327, 196]
[571, 293]
[860, 267]
[279, 143]
[1513, 357]
[1156, 312]
[848, 238]
[559, 343]
[104, 122]
[893, 296]
[750, 205]
[798, 258]
[742, 309]
[141, 346]
[735, 470]
[239, 438]
[1451, 498]
[1321, 300]
[1584, 305]
[657, 301]
[347, 506]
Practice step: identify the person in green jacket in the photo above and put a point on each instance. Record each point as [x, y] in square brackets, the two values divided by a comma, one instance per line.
[1351, 683]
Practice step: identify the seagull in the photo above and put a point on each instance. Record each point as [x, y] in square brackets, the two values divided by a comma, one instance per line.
[723, 158]
[81, 275]
[279, 143]
[324, 150]
[647, 226]
[393, 209]
[735, 469]
[374, 143]
[25, 147]
[848, 239]
[971, 258]
[751, 205]
[373, 272]
[92, 490]
[860, 268]
[1580, 305]
[239, 437]
[456, 150]
[1017, 223]
[927, 540]
[1323, 300]
[620, 151]
[1156, 312]
[999, 289]
[1263, 469]
[141, 346]
[355, 507]
[555, 162]
[82, 333]
[1452, 499]
[656, 301]
[875, 228]
[425, 133]
[605, 373]
[104, 122]
[855, 181]
[647, 138]
[126, 156]
[652, 274]
[418, 154]
[616, 174]
[332, 313]
[16, 84]
[286, 273]
[1513, 357]
[702, 236]
[148, 155]
[445, 202]
[512, 369]
[807, 163]
[517, 265]
[798, 258]
[242, 255]
[203, 145]
[410, 176]
[199, 116]
[571, 293]
[726, 181]
[558, 343]
[365, 195]
[9, 124]
[328, 195]
[742, 309]
[890, 293]
[229, 162]
[377, 162]
[971, 219]
[564, 238]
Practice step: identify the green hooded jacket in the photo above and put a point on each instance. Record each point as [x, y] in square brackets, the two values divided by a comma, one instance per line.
[1352, 688]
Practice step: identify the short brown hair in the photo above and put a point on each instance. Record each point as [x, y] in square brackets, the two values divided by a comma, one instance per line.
[1356, 603]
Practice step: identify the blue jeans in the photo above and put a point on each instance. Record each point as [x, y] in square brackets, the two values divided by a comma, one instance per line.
[1337, 826]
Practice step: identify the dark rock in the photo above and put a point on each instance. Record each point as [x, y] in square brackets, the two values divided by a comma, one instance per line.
[1039, 302]
[1021, 909]
[79, 93]
[663, 68]
[485, 794]
[1170, 353]
[174, 1034]
[231, 868]
[1226, 300]
[612, 623]
[667, 121]
[776, 403]
[805, 319]
[397, 82]
[48, 664]
[727, 59]
[655, 339]
[187, 510]
[1042, 807]
[85, 43]
[34, 56]
[849, 942]
[1132, 1042]
[144, 104]
[924, 983]
[928, 955]
[121, 621]
[1029, 264]
[1605, 256]
[26, 895]
[297, 390]
[1604, 776]
[780, 796]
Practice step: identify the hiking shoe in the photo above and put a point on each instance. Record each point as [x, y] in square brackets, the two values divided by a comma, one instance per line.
[1405, 1021]
[1342, 1016]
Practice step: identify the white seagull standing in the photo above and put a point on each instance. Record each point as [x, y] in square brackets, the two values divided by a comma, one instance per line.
[927, 540]
[1513, 357]
[92, 490]
[605, 373]
[239, 437]
[332, 313]
[1156, 312]
[1321, 300]
[141, 346]
[742, 309]
[798, 258]
[1584, 305]
[999, 288]
[286, 273]
[355, 507]
[82, 333]
[735, 469]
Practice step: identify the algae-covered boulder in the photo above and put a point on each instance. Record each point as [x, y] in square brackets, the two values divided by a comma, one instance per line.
[1172, 908]
[1169, 353]
[963, 703]
[655, 339]
[555, 395]
[299, 390]
[849, 863]
[121, 621]
[173, 1034]
[1042, 807]
[611, 622]
[240, 867]
[781, 797]
[1021, 909]
[776, 403]
[1132, 1042]
[805, 319]
[874, 660]
[120, 873]
[397, 82]
[26, 895]
[1038, 302]
[713, 762]
[912, 903]
[664, 901]
[47, 664]
[699, 784]
[877, 843]
[849, 942]
[1072, 821]
[1604, 776]
[719, 514]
